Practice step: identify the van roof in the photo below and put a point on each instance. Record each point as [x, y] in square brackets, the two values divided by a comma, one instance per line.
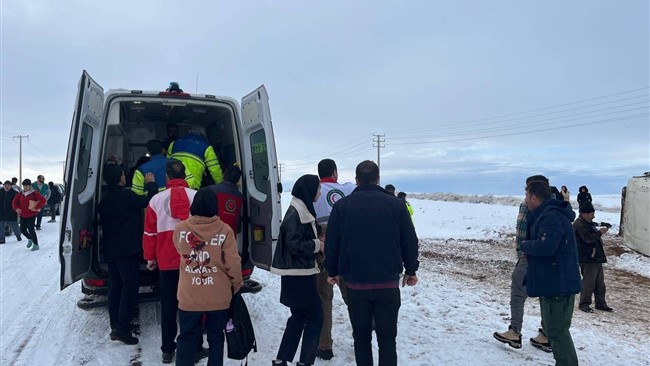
[136, 93]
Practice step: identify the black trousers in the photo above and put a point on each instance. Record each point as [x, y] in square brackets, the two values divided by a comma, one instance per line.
[382, 305]
[39, 218]
[192, 333]
[305, 323]
[53, 211]
[124, 285]
[27, 228]
[168, 309]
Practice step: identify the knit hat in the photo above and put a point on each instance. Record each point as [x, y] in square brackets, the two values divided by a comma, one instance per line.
[536, 179]
[586, 207]
[112, 173]
[204, 203]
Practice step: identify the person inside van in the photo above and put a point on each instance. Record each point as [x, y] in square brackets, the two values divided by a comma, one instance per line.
[156, 165]
[172, 134]
[197, 154]
[210, 274]
[28, 204]
[120, 212]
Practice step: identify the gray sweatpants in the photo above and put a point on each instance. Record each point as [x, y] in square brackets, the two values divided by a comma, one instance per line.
[518, 294]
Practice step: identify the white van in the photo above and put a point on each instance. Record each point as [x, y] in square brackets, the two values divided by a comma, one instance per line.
[118, 124]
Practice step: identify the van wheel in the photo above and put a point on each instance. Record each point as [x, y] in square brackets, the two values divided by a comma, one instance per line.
[92, 301]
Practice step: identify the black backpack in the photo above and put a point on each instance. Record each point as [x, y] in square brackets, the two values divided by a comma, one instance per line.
[239, 330]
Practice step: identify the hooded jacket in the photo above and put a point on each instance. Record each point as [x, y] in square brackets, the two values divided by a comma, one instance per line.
[584, 195]
[295, 252]
[590, 243]
[24, 200]
[210, 267]
[7, 212]
[552, 251]
[165, 210]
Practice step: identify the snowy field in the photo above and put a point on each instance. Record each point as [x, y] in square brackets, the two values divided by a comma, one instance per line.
[467, 256]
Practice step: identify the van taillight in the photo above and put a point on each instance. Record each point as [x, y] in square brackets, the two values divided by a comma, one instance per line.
[258, 233]
[95, 282]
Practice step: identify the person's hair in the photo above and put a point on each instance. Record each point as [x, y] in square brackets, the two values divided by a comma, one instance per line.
[175, 169]
[401, 195]
[14, 180]
[326, 168]
[112, 173]
[390, 188]
[539, 189]
[155, 147]
[40, 176]
[564, 189]
[205, 203]
[27, 182]
[367, 172]
[232, 174]
[50, 184]
[7, 182]
[171, 124]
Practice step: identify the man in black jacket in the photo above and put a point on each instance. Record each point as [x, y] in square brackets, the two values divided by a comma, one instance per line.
[121, 215]
[592, 256]
[370, 240]
[7, 215]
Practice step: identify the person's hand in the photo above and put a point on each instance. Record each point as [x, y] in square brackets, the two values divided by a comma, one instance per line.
[409, 280]
[603, 230]
[322, 245]
[152, 264]
[18, 211]
[333, 280]
[149, 178]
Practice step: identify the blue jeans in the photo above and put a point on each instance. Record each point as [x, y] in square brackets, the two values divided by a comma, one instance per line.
[192, 333]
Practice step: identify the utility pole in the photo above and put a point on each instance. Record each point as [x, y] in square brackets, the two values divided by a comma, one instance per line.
[20, 156]
[378, 139]
[280, 170]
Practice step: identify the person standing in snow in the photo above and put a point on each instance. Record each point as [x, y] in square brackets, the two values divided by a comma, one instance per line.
[120, 212]
[553, 272]
[14, 185]
[55, 199]
[210, 274]
[331, 192]
[7, 214]
[592, 257]
[28, 204]
[584, 195]
[402, 197]
[295, 260]
[566, 194]
[373, 225]
[165, 210]
[390, 189]
[44, 190]
[518, 296]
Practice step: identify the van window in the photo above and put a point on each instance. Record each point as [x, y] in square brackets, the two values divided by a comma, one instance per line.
[85, 139]
[260, 161]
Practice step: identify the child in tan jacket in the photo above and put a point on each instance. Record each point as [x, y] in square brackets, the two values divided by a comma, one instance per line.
[210, 272]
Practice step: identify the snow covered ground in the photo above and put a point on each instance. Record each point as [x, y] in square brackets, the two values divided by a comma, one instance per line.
[467, 256]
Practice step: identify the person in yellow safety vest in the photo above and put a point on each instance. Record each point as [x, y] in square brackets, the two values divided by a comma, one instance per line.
[194, 151]
[402, 196]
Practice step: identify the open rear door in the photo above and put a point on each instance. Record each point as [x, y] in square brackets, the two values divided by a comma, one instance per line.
[81, 173]
[260, 169]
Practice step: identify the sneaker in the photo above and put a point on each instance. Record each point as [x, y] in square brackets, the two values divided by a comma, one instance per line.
[586, 308]
[34, 247]
[510, 337]
[29, 243]
[541, 342]
[123, 337]
[201, 354]
[325, 354]
[167, 357]
[38, 228]
[18, 238]
[604, 308]
[279, 363]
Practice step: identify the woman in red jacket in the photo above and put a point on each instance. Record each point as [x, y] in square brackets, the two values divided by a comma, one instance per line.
[28, 204]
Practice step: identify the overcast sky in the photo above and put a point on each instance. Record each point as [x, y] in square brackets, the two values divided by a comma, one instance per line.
[472, 96]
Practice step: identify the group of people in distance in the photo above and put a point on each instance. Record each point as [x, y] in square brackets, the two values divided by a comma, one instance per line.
[554, 249]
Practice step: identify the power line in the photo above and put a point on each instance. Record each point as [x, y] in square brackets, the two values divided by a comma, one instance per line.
[624, 118]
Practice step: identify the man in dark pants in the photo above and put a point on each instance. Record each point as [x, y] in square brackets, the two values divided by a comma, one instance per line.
[592, 257]
[552, 273]
[120, 212]
[44, 190]
[54, 200]
[370, 239]
[7, 214]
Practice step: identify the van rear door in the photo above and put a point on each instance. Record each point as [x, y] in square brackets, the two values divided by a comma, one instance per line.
[81, 174]
[260, 170]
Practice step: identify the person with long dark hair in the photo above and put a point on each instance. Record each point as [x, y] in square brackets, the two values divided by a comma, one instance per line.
[295, 260]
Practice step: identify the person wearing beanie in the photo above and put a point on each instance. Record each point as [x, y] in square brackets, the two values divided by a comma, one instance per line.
[295, 260]
[592, 256]
[553, 274]
[7, 214]
[518, 295]
[120, 214]
[28, 204]
[210, 273]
